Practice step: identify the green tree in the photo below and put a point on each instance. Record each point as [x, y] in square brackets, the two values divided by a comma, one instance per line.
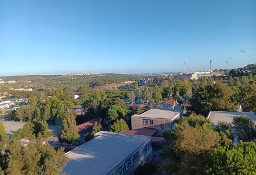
[232, 160]
[119, 125]
[139, 110]
[182, 88]
[97, 127]
[115, 112]
[248, 97]
[187, 146]
[67, 128]
[245, 128]
[31, 129]
[131, 96]
[35, 158]
[147, 95]
[157, 94]
[84, 94]
[3, 136]
[23, 113]
[208, 97]
[194, 140]
[225, 133]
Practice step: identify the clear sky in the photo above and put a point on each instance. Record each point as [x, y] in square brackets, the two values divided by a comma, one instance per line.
[125, 36]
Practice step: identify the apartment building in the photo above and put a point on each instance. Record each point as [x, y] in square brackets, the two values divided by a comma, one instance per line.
[216, 117]
[160, 119]
[109, 154]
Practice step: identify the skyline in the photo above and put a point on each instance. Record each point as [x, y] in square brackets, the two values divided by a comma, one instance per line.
[60, 37]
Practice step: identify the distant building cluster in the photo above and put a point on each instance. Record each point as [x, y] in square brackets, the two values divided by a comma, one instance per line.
[80, 74]
[21, 89]
[7, 82]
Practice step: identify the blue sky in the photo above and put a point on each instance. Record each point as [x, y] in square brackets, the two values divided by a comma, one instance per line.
[125, 36]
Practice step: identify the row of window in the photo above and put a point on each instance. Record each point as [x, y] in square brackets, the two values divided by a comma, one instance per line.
[147, 122]
[146, 147]
[128, 163]
[150, 122]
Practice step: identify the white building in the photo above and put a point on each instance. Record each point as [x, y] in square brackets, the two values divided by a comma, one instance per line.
[109, 154]
[227, 116]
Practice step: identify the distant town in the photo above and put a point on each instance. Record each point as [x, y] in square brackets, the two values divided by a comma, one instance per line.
[113, 124]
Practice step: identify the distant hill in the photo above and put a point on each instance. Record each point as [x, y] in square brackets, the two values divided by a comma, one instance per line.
[246, 70]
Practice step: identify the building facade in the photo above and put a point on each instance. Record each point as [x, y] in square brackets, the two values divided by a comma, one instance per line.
[109, 154]
[160, 119]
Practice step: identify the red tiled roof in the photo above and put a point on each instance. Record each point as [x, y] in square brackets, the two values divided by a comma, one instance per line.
[86, 125]
[142, 131]
[142, 106]
[172, 102]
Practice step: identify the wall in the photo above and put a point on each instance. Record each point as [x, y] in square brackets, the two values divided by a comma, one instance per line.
[145, 151]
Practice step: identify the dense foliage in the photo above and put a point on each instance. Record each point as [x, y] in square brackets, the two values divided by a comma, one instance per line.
[35, 156]
[196, 148]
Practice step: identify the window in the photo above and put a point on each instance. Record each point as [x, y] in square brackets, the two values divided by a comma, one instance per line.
[135, 157]
[120, 170]
[146, 147]
[148, 158]
[147, 122]
[124, 168]
[128, 164]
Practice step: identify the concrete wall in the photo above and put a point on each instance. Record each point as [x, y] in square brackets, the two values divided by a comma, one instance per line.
[160, 124]
[145, 152]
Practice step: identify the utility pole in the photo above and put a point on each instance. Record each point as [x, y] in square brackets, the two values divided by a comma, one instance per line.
[210, 65]
[184, 67]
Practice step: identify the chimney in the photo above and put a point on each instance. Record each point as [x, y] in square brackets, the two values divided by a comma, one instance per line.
[239, 108]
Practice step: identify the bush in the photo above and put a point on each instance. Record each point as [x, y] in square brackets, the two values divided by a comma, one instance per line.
[146, 169]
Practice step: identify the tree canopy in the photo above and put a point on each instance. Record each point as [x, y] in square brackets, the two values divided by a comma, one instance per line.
[208, 97]
[119, 125]
[67, 128]
[232, 160]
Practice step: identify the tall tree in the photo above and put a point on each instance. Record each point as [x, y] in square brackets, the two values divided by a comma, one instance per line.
[248, 97]
[35, 158]
[3, 136]
[245, 128]
[192, 138]
[208, 97]
[238, 159]
[147, 95]
[97, 127]
[157, 94]
[67, 128]
[119, 125]
[131, 96]
[115, 112]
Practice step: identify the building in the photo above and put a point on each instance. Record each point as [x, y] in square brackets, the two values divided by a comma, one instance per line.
[216, 117]
[147, 132]
[77, 109]
[12, 126]
[160, 119]
[109, 154]
[226, 116]
[86, 128]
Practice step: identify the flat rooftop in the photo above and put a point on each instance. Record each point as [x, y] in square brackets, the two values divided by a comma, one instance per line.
[159, 113]
[225, 116]
[12, 126]
[141, 131]
[102, 154]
